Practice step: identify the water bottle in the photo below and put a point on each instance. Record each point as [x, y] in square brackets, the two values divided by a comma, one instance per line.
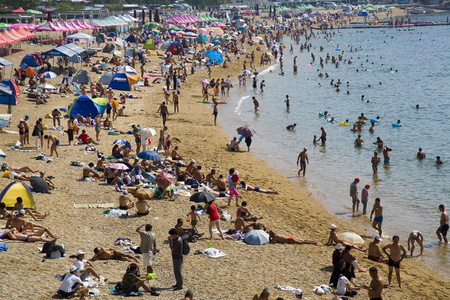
[208, 245]
[102, 280]
[153, 258]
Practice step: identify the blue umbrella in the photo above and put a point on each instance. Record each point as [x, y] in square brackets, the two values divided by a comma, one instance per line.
[120, 142]
[256, 237]
[149, 155]
[149, 177]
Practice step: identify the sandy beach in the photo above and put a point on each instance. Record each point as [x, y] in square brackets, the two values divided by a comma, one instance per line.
[245, 270]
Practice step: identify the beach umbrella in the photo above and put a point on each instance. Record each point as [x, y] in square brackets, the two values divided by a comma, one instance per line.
[246, 130]
[33, 12]
[247, 72]
[351, 237]
[2, 154]
[256, 237]
[202, 197]
[39, 185]
[4, 25]
[150, 155]
[120, 142]
[30, 72]
[119, 166]
[127, 164]
[164, 179]
[189, 34]
[115, 52]
[149, 177]
[153, 24]
[50, 74]
[204, 81]
[46, 86]
[147, 132]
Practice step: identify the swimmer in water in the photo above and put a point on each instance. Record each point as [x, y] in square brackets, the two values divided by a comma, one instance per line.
[358, 142]
[315, 139]
[421, 154]
[439, 161]
[372, 128]
[417, 106]
[379, 143]
[291, 127]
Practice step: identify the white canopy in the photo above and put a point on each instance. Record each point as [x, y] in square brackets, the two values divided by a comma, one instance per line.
[80, 36]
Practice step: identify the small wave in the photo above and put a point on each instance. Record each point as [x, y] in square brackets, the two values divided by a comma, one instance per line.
[237, 110]
[265, 71]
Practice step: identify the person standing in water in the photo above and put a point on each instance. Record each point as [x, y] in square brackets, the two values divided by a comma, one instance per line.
[287, 101]
[354, 194]
[378, 220]
[323, 136]
[442, 230]
[386, 155]
[303, 159]
[375, 162]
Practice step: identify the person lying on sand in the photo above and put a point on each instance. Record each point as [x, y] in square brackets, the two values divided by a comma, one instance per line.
[108, 253]
[256, 189]
[334, 238]
[25, 169]
[125, 202]
[282, 239]
[15, 235]
[217, 194]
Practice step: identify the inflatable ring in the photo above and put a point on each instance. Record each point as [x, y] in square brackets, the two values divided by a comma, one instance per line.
[374, 120]
[204, 101]
[113, 133]
[344, 124]
[396, 125]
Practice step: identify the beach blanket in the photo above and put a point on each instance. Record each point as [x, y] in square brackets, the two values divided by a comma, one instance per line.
[213, 253]
[115, 212]
[98, 205]
[117, 293]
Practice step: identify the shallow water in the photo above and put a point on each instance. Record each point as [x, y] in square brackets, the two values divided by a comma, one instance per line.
[410, 190]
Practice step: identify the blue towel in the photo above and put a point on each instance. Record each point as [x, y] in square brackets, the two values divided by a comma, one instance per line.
[117, 293]
[3, 247]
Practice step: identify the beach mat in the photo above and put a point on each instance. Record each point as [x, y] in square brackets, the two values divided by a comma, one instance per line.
[98, 205]
[116, 293]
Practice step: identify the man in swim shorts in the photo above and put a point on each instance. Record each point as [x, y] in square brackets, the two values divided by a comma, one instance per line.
[378, 220]
[303, 159]
[164, 112]
[358, 142]
[386, 154]
[414, 236]
[395, 258]
[323, 135]
[376, 285]
[143, 208]
[55, 143]
[256, 189]
[125, 202]
[354, 194]
[374, 251]
[375, 162]
[108, 253]
[443, 229]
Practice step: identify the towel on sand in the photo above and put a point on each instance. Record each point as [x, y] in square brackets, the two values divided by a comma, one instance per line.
[117, 293]
[213, 253]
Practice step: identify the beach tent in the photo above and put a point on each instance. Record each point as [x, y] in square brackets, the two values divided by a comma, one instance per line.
[4, 97]
[80, 37]
[32, 60]
[201, 39]
[17, 189]
[127, 69]
[4, 120]
[174, 48]
[363, 14]
[149, 44]
[131, 38]
[106, 78]
[82, 77]
[84, 105]
[214, 55]
[108, 48]
[166, 44]
[123, 81]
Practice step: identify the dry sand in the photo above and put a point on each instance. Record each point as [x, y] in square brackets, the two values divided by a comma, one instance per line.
[239, 275]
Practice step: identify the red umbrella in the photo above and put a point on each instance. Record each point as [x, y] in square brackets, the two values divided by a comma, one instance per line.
[164, 179]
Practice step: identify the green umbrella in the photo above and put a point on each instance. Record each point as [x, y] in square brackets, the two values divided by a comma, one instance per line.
[3, 25]
[391, 7]
[175, 28]
[33, 12]
[153, 24]
[170, 5]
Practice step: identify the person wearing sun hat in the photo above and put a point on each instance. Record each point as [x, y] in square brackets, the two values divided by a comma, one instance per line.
[298, 293]
[71, 285]
[365, 197]
[337, 253]
[84, 268]
[354, 194]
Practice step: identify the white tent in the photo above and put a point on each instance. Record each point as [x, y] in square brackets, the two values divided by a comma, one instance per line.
[106, 78]
[80, 37]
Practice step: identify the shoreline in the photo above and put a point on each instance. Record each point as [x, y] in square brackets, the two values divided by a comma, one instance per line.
[293, 212]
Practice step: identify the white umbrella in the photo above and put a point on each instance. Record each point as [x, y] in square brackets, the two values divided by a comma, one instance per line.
[50, 74]
[46, 86]
[147, 132]
[115, 52]
[351, 237]
[2, 154]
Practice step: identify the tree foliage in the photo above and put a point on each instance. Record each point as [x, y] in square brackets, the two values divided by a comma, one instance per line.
[15, 4]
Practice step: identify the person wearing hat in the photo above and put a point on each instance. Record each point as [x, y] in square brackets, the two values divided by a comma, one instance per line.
[354, 194]
[303, 159]
[374, 252]
[337, 254]
[71, 285]
[84, 268]
[175, 155]
[233, 180]
[131, 282]
[298, 293]
[414, 236]
[365, 197]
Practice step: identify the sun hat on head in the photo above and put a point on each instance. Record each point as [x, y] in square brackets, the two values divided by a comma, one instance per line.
[339, 246]
[79, 252]
[377, 238]
[298, 292]
[368, 186]
[357, 179]
[72, 269]
[236, 172]
[22, 212]
[333, 226]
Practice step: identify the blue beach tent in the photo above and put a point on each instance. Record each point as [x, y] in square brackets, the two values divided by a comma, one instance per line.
[214, 55]
[84, 105]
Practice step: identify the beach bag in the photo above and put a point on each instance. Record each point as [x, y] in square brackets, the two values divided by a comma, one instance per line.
[56, 251]
[186, 247]
[47, 246]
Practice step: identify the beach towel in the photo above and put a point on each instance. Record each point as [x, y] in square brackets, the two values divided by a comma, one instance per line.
[213, 253]
[285, 288]
[117, 293]
[98, 205]
[3, 247]
[115, 212]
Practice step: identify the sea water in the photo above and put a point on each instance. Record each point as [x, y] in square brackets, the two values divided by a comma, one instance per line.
[410, 190]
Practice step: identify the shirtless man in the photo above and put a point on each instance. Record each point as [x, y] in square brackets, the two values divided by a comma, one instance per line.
[18, 223]
[323, 136]
[375, 162]
[414, 236]
[221, 184]
[125, 202]
[88, 171]
[359, 141]
[210, 180]
[190, 168]
[175, 103]
[395, 258]
[239, 224]
[421, 154]
[303, 159]
[15, 235]
[386, 155]
[334, 238]
[175, 156]
[243, 208]
[199, 175]
[108, 253]
[257, 225]
[354, 194]
[26, 137]
[250, 188]
[70, 129]
[97, 124]
[55, 144]
[56, 115]
[379, 143]
[255, 103]
[4, 213]
[163, 111]
[376, 285]
[439, 161]
[101, 164]
[442, 230]
[378, 220]
[143, 208]
[161, 138]
[374, 251]
[50, 183]
[282, 239]
[263, 296]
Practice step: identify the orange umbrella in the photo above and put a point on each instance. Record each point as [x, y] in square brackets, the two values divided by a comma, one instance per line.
[114, 103]
[30, 72]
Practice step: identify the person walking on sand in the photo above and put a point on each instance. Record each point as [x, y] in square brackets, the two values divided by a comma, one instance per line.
[214, 218]
[375, 162]
[163, 111]
[55, 144]
[175, 99]
[378, 220]
[414, 236]
[70, 124]
[354, 194]
[148, 245]
[215, 113]
[323, 136]
[376, 285]
[303, 159]
[395, 258]
[176, 246]
[442, 230]
[255, 103]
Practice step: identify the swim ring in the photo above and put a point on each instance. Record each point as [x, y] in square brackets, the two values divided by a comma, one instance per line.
[113, 133]
[344, 124]
[396, 125]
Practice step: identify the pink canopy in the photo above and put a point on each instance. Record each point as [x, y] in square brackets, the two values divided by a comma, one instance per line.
[25, 33]
[183, 19]
[47, 27]
[10, 37]
[60, 27]
[24, 26]
[74, 25]
[85, 25]
[67, 25]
